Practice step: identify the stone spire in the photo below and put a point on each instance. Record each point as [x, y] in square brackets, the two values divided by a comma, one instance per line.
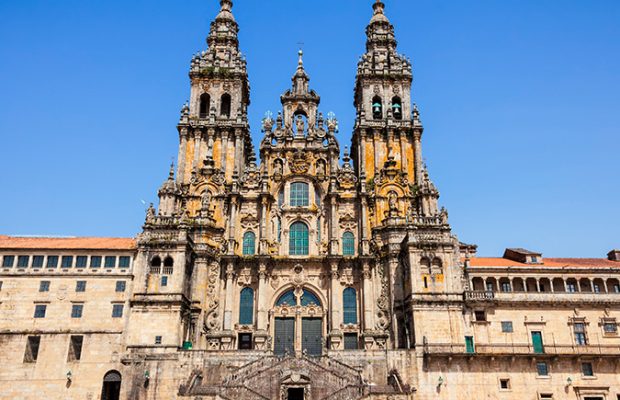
[301, 78]
[380, 32]
[224, 28]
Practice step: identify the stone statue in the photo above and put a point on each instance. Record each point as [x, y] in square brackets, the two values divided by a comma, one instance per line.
[206, 200]
[301, 125]
[150, 213]
[393, 204]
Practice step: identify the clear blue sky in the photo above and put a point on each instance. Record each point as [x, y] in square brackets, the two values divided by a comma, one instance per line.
[520, 101]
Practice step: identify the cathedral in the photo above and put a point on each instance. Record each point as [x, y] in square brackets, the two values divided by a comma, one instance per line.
[303, 275]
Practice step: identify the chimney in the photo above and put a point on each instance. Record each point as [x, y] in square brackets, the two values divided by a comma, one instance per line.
[614, 255]
[523, 256]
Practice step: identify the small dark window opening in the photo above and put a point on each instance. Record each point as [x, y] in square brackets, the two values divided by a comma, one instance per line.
[111, 386]
[32, 349]
[350, 341]
[295, 394]
[168, 262]
[245, 341]
[586, 369]
[75, 348]
[377, 108]
[480, 315]
[504, 383]
[205, 102]
[157, 339]
[225, 105]
[425, 283]
[397, 108]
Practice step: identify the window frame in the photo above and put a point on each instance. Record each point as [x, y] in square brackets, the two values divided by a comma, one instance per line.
[66, 262]
[299, 239]
[77, 310]
[44, 286]
[299, 194]
[40, 311]
[8, 261]
[249, 243]
[587, 369]
[505, 325]
[33, 346]
[109, 258]
[124, 261]
[76, 344]
[349, 306]
[348, 243]
[95, 261]
[80, 286]
[539, 364]
[20, 263]
[38, 261]
[246, 306]
[81, 261]
[120, 286]
[52, 262]
[115, 310]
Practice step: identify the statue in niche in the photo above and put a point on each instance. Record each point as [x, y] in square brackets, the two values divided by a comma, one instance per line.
[205, 204]
[277, 167]
[393, 204]
[301, 125]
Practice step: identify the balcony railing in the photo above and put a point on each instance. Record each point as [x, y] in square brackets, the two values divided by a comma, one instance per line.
[521, 349]
[479, 295]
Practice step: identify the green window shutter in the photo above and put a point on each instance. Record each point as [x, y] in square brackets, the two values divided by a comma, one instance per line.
[246, 307]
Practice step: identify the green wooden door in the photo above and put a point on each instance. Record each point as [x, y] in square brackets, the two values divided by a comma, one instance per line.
[537, 342]
[311, 330]
[284, 336]
[469, 344]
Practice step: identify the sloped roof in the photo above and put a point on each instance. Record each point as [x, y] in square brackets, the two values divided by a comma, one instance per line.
[66, 243]
[547, 262]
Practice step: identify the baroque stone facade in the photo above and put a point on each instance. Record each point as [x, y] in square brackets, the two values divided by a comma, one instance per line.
[303, 276]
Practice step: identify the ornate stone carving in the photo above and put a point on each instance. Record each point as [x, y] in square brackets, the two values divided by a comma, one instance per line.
[299, 161]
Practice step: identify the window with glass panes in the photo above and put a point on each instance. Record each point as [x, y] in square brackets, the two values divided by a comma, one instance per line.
[80, 286]
[299, 194]
[8, 261]
[542, 368]
[66, 262]
[120, 286]
[81, 261]
[505, 287]
[586, 369]
[44, 286]
[76, 310]
[507, 326]
[164, 281]
[349, 302]
[348, 244]
[246, 306]
[298, 239]
[110, 262]
[37, 261]
[123, 262]
[579, 328]
[350, 341]
[22, 261]
[95, 261]
[117, 311]
[39, 310]
[52, 261]
[610, 327]
[75, 348]
[571, 287]
[249, 241]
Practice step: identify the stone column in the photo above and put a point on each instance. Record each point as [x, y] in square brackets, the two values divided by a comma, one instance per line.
[261, 315]
[181, 157]
[231, 226]
[578, 285]
[417, 143]
[368, 297]
[224, 152]
[333, 235]
[238, 151]
[335, 335]
[228, 303]
[363, 226]
[197, 143]
[262, 243]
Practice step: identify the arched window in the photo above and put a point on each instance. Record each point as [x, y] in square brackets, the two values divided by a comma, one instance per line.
[299, 194]
[155, 265]
[348, 244]
[205, 103]
[349, 303]
[307, 298]
[298, 239]
[377, 108]
[246, 306]
[168, 265]
[249, 240]
[225, 105]
[111, 389]
[397, 108]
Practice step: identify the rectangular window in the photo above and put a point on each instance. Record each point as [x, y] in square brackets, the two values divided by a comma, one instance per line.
[480, 315]
[507, 326]
[44, 286]
[37, 261]
[80, 286]
[164, 281]
[597, 288]
[350, 341]
[506, 287]
[610, 327]
[95, 261]
[123, 262]
[504, 384]
[32, 349]
[52, 261]
[76, 310]
[245, 341]
[39, 310]
[546, 396]
[586, 369]
[22, 261]
[490, 286]
[110, 262]
[75, 348]
[579, 329]
[299, 194]
[117, 311]
[80, 261]
[8, 261]
[157, 339]
[66, 262]
[120, 286]
[542, 369]
[469, 344]
[571, 288]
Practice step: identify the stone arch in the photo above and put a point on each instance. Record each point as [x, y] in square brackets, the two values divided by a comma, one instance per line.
[111, 387]
[308, 286]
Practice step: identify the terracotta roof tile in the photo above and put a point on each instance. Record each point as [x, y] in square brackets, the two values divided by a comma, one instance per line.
[547, 262]
[77, 243]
